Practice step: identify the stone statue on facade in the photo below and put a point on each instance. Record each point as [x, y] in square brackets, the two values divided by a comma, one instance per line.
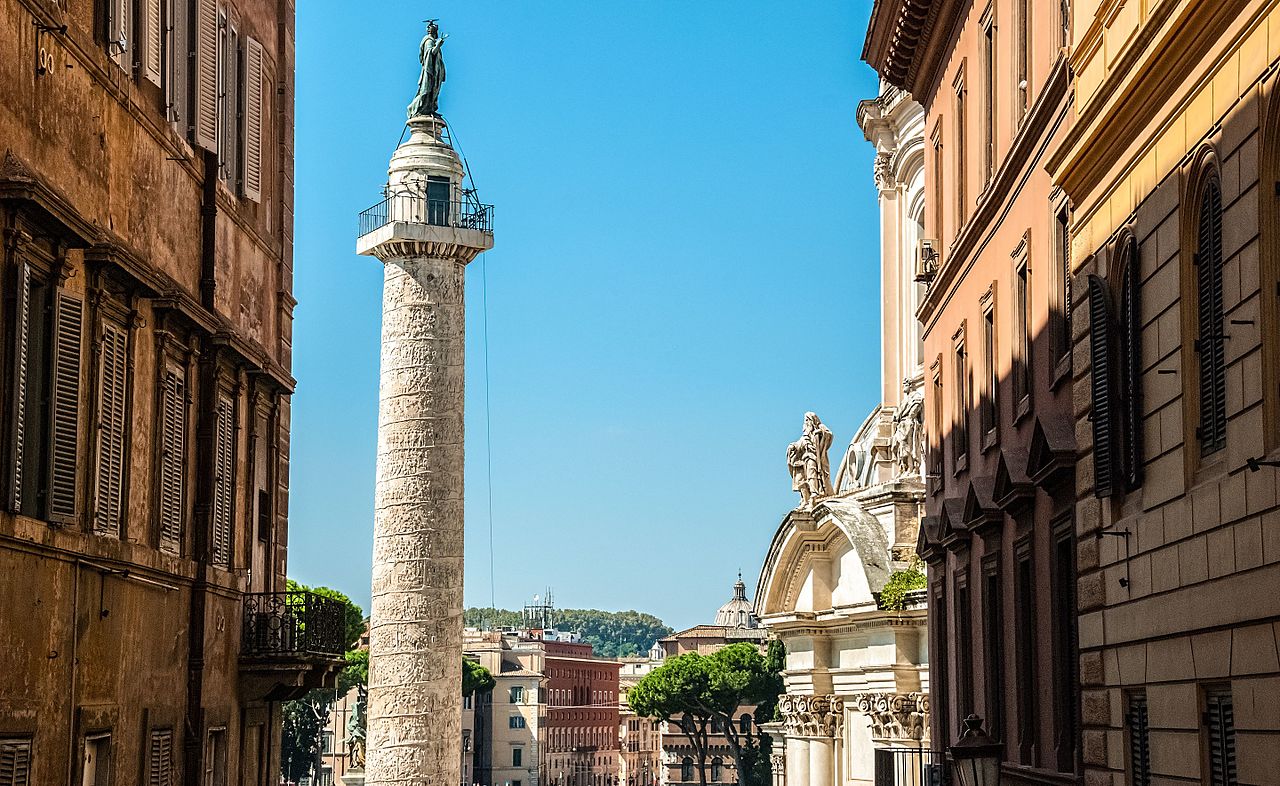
[908, 436]
[808, 462]
[430, 80]
[356, 731]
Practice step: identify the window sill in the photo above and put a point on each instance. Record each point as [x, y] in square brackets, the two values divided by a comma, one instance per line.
[962, 464]
[1022, 409]
[990, 439]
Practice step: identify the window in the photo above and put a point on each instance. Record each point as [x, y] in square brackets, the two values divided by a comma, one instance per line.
[960, 403]
[1023, 70]
[223, 481]
[325, 777]
[119, 26]
[44, 440]
[254, 91]
[112, 420]
[686, 769]
[1101, 370]
[517, 694]
[326, 742]
[962, 152]
[96, 767]
[1220, 736]
[988, 96]
[1136, 726]
[1066, 644]
[1064, 23]
[228, 77]
[15, 762]
[993, 643]
[438, 198]
[934, 476]
[990, 396]
[159, 759]
[1022, 339]
[744, 724]
[515, 722]
[1131, 364]
[215, 757]
[717, 769]
[1060, 307]
[1210, 345]
[938, 177]
[940, 643]
[173, 452]
[466, 703]
[1024, 643]
[517, 757]
[964, 647]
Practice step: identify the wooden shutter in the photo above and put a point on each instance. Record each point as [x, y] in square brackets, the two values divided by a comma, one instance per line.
[66, 408]
[117, 33]
[1102, 364]
[1131, 368]
[111, 430]
[15, 762]
[223, 482]
[1211, 344]
[152, 30]
[160, 759]
[178, 40]
[173, 446]
[204, 124]
[1219, 721]
[1139, 740]
[251, 184]
[18, 413]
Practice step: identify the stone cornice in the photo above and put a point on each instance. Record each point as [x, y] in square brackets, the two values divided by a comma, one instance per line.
[902, 41]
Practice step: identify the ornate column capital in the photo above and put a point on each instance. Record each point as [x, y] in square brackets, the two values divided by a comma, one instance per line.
[895, 716]
[812, 716]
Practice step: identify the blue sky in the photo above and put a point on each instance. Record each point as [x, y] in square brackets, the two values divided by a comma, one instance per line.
[686, 262]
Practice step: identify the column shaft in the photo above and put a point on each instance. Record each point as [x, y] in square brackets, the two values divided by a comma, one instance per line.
[415, 682]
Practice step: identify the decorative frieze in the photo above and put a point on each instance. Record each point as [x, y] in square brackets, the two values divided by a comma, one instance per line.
[895, 716]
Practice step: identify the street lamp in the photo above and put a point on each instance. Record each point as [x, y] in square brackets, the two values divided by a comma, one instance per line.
[976, 756]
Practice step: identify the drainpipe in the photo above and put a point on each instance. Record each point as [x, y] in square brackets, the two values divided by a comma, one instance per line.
[71, 679]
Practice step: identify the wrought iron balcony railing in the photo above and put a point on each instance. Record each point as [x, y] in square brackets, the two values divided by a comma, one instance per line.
[417, 209]
[293, 623]
[909, 767]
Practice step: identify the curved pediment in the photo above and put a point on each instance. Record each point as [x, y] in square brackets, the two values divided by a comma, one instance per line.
[833, 557]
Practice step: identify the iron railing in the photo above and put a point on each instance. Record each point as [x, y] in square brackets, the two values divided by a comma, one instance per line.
[299, 622]
[909, 767]
[417, 209]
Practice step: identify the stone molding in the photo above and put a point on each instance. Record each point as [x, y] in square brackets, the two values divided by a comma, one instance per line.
[895, 716]
[812, 716]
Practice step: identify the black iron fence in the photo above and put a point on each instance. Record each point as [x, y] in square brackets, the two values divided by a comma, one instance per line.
[282, 623]
[417, 209]
[909, 767]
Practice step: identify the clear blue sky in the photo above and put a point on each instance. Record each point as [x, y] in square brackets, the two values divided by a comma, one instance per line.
[686, 262]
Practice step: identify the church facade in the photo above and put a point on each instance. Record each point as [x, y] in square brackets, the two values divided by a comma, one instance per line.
[856, 674]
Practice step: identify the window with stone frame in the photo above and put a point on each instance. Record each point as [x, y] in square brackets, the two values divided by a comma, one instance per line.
[1066, 644]
[960, 401]
[938, 176]
[1138, 735]
[160, 759]
[988, 94]
[172, 446]
[933, 478]
[1219, 734]
[1210, 340]
[989, 401]
[963, 611]
[1022, 343]
[993, 628]
[1022, 64]
[44, 349]
[1025, 652]
[1060, 303]
[961, 122]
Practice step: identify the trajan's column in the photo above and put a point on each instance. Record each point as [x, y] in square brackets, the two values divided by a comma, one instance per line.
[424, 233]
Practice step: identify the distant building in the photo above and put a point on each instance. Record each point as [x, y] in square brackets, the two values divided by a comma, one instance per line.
[508, 732]
[735, 623]
[639, 739]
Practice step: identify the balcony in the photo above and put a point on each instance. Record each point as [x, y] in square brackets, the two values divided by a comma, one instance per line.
[292, 642]
[419, 210]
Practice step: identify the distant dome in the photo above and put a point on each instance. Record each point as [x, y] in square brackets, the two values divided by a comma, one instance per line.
[737, 613]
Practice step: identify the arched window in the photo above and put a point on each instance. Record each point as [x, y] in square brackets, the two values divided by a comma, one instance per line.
[744, 723]
[686, 770]
[717, 765]
[1210, 345]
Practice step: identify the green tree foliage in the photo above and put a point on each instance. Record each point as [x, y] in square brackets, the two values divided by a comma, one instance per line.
[475, 677]
[698, 693]
[894, 595]
[613, 634]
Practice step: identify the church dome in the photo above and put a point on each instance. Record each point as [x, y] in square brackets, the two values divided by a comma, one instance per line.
[737, 613]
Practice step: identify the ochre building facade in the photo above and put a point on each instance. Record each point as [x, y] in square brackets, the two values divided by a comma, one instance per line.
[145, 352]
[1172, 169]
